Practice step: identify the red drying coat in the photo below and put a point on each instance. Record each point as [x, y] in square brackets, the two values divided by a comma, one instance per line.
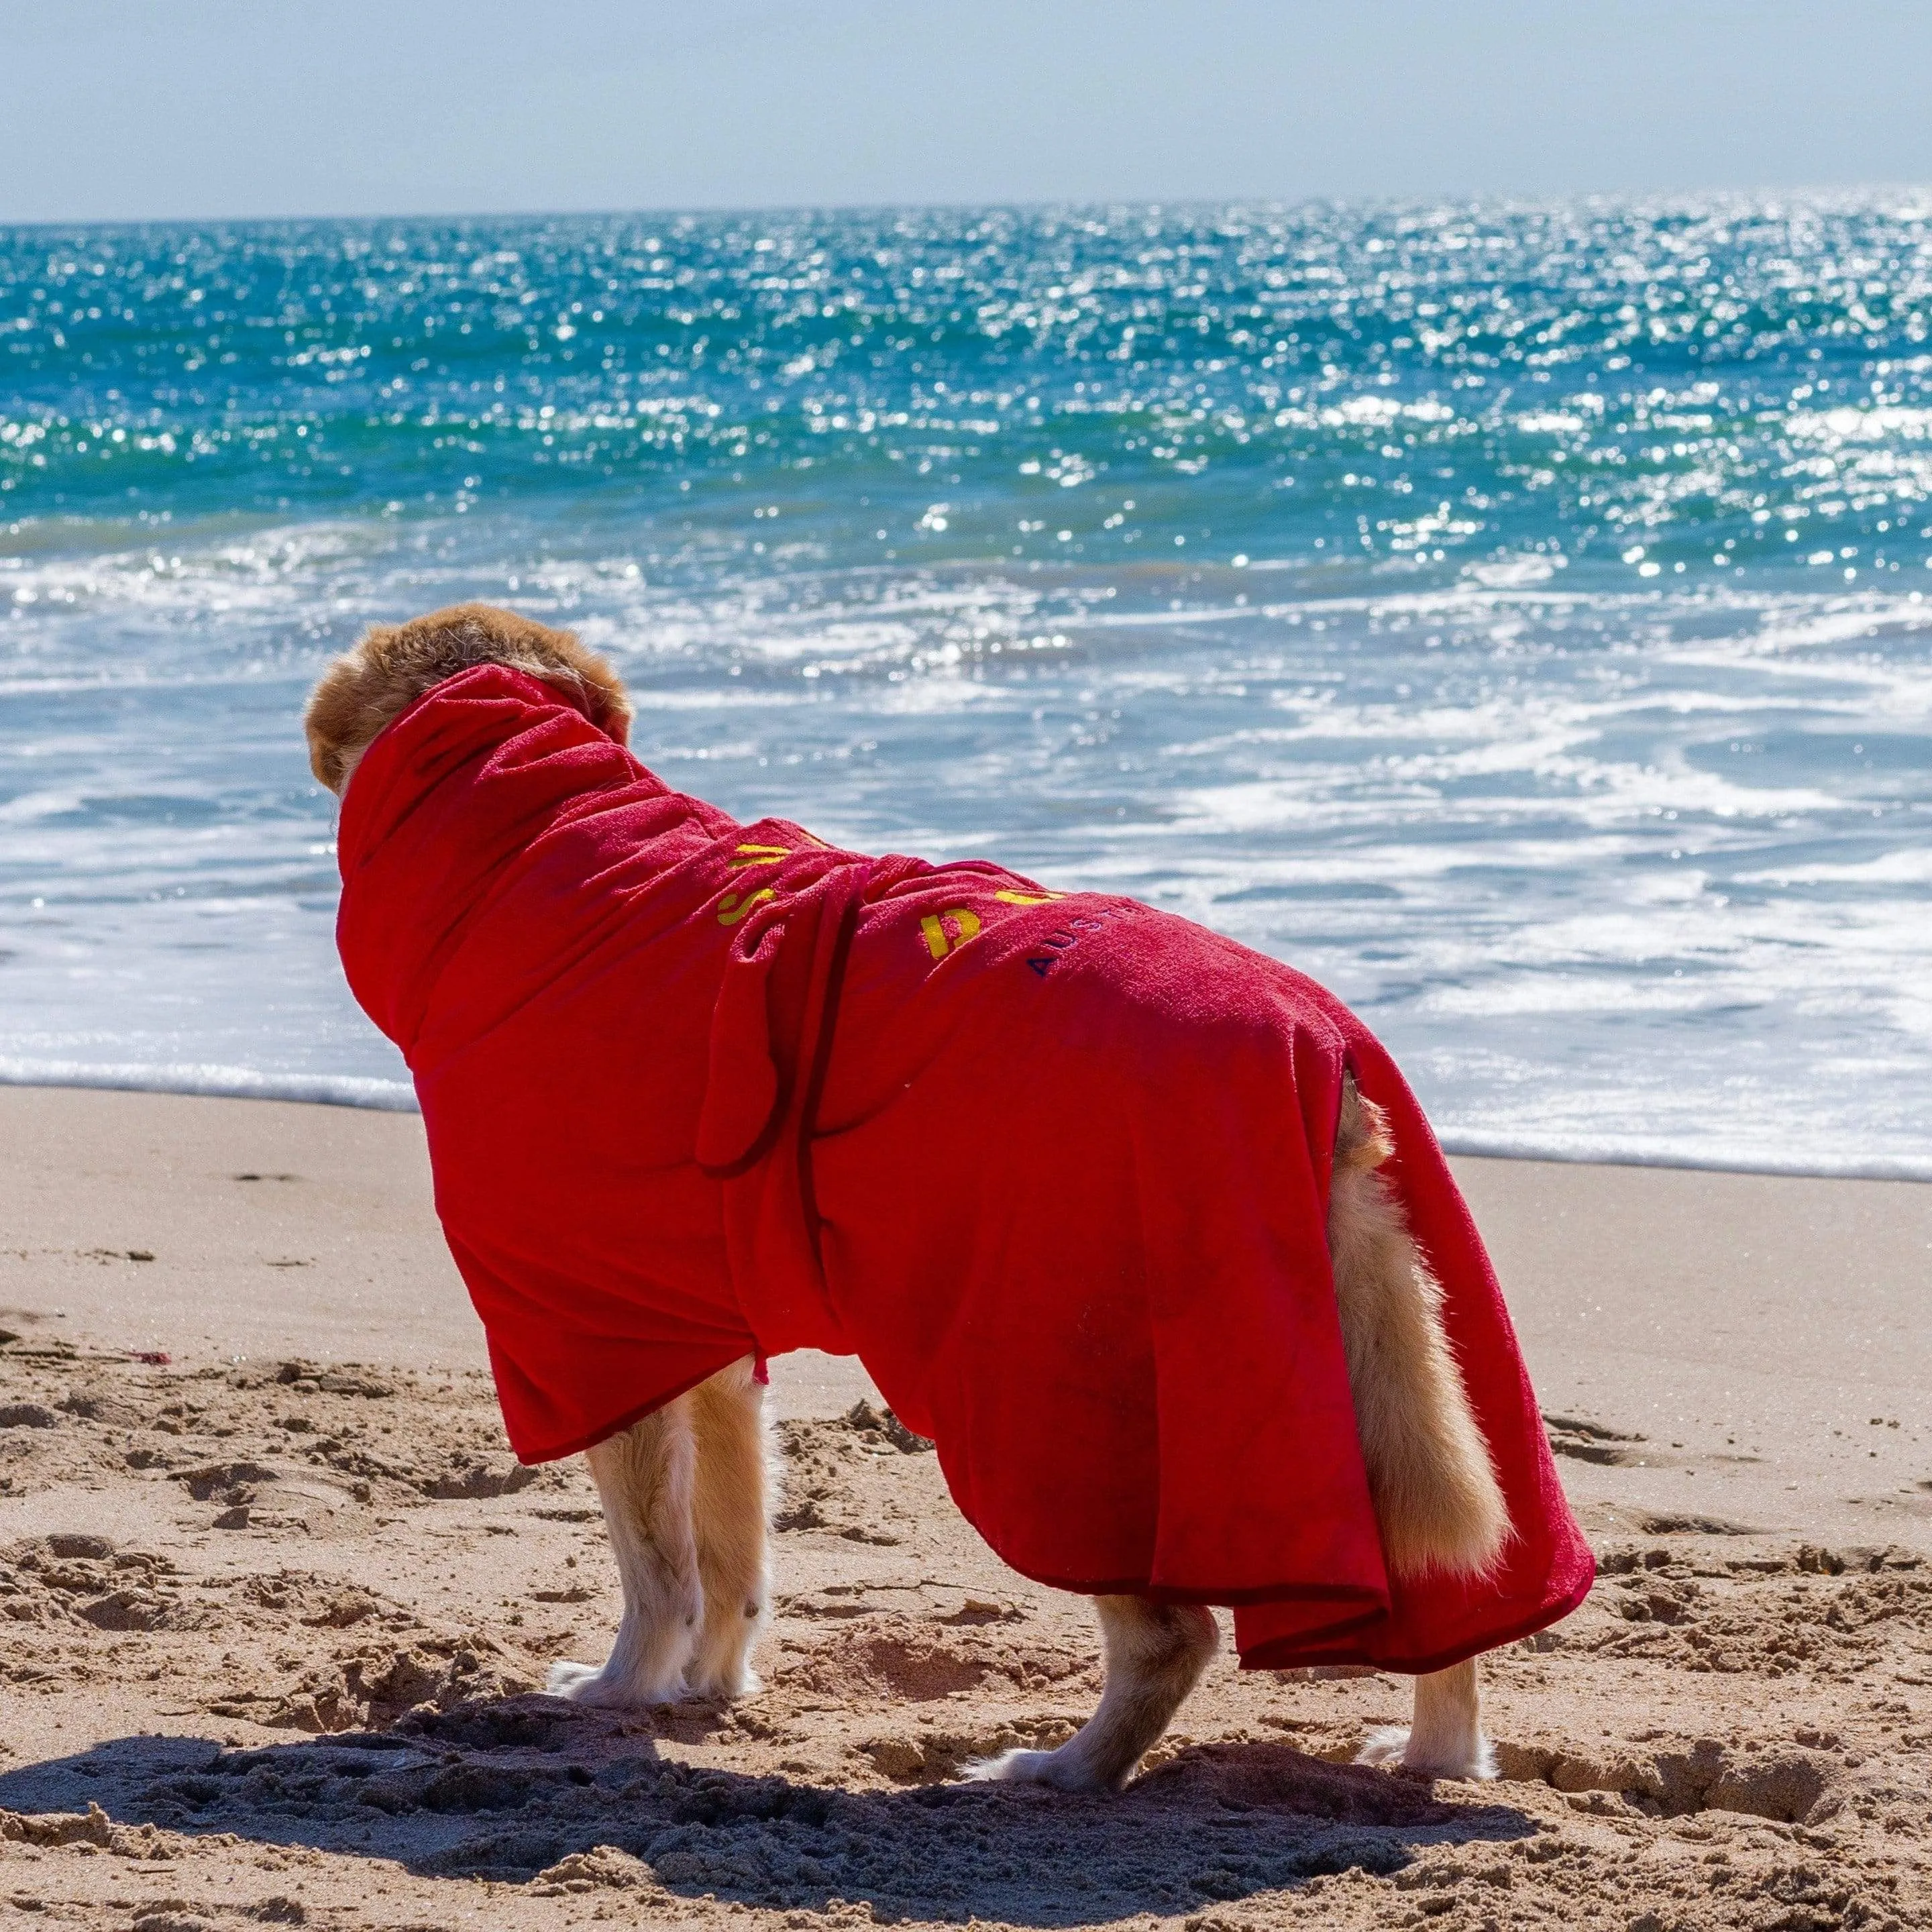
[1055, 1167]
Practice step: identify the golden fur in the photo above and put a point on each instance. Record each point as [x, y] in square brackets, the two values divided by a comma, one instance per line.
[1155, 1654]
[684, 1491]
[684, 1497]
[392, 665]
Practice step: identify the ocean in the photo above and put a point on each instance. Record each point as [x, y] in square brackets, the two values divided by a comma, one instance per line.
[1514, 617]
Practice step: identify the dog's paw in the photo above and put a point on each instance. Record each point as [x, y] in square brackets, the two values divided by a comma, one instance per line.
[1055, 1768]
[590, 1683]
[725, 1687]
[1385, 1747]
[1390, 1747]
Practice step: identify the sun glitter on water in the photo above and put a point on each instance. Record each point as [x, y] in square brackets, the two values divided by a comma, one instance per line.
[1514, 617]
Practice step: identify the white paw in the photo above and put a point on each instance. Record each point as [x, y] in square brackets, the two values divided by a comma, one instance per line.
[726, 1686]
[1391, 1746]
[1385, 1746]
[1035, 1767]
[588, 1684]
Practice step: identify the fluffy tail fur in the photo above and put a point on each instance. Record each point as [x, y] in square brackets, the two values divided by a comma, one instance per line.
[1435, 1494]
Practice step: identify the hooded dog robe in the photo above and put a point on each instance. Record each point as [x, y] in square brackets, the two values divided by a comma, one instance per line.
[1054, 1167]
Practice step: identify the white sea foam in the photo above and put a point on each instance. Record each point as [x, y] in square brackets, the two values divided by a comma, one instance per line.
[398, 1097]
[233, 1083]
[1618, 875]
[1633, 1150]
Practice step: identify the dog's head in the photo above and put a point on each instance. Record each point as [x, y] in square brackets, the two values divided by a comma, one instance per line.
[393, 664]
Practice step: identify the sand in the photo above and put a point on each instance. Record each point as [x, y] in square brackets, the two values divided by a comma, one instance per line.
[273, 1610]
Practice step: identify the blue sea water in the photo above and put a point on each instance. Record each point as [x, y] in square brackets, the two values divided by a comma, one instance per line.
[1515, 616]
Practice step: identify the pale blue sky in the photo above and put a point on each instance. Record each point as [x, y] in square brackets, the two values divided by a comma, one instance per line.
[140, 109]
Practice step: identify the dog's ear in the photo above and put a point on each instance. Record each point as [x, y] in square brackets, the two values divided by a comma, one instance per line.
[596, 690]
[351, 703]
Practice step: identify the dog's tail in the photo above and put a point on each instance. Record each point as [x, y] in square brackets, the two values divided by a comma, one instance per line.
[1436, 1498]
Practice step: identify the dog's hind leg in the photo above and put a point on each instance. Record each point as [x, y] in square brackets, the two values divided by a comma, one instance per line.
[1446, 1739]
[1437, 1501]
[644, 1477]
[730, 1518]
[1155, 1654]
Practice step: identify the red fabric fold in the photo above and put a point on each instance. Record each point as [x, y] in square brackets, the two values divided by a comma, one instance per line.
[1056, 1168]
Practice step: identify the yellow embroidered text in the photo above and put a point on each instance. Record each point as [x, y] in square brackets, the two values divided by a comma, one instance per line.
[732, 908]
[964, 921]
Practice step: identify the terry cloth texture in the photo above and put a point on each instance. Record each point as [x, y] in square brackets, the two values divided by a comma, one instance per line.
[1054, 1167]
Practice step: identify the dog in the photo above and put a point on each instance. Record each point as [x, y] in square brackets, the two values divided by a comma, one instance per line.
[686, 1488]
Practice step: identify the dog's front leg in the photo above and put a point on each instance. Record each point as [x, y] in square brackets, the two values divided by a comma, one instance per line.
[1155, 1653]
[644, 1479]
[729, 1516]
[1446, 1739]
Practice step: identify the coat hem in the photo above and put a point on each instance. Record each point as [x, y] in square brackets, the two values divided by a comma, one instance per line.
[1285, 1653]
[532, 1458]
[1339, 1594]
[1320, 1646]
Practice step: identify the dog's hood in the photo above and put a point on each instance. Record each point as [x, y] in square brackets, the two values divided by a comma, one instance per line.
[451, 798]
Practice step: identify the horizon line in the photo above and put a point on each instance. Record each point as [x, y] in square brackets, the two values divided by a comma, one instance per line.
[1496, 198]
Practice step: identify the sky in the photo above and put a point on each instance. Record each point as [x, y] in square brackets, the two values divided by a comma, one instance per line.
[159, 110]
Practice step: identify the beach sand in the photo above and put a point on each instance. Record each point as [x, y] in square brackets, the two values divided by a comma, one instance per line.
[272, 1609]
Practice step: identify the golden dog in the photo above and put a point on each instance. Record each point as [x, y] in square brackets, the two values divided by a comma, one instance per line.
[684, 1491]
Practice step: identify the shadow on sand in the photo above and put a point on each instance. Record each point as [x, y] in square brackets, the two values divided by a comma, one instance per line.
[509, 1790]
